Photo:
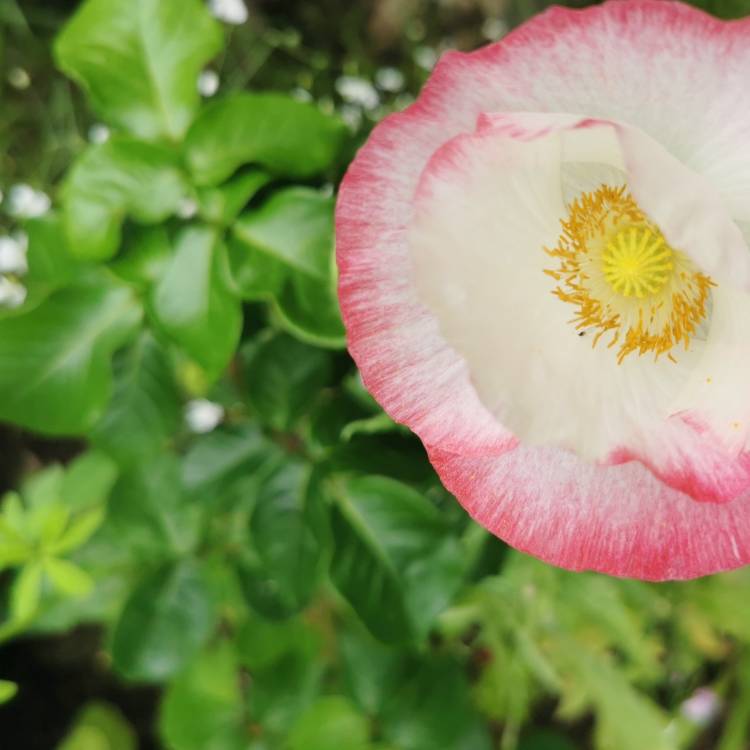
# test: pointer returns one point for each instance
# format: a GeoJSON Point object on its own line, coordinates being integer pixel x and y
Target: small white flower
{"type": "Point", "coordinates": [12, 294]}
{"type": "Point", "coordinates": [20, 197]}
{"type": "Point", "coordinates": [19, 78]}
{"type": "Point", "coordinates": [425, 57]}
{"type": "Point", "coordinates": [208, 82]}
{"type": "Point", "coordinates": [359, 91]}
{"type": "Point", "coordinates": [12, 256]}
{"type": "Point", "coordinates": [389, 79]}
{"type": "Point", "coordinates": [701, 707]}
{"type": "Point", "coordinates": [229, 11]}
{"type": "Point", "coordinates": [27, 203]}
{"type": "Point", "coordinates": [202, 415]}
{"type": "Point", "coordinates": [351, 115]}
{"type": "Point", "coordinates": [21, 238]}
{"type": "Point", "coordinates": [300, 94]}
{"type": "Point", "coordinates": [187, 208]}
{"type": "Point", "coordinates": [98, 133]}
{"type": "Point", "coordinates": [494, 28]}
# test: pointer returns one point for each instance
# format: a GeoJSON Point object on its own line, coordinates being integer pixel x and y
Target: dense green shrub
{"type": "Point", "coordinates": [282, 561]}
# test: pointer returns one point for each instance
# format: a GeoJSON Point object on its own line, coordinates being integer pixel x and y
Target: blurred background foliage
{"type": "Point", "coordinates": [211, 537]}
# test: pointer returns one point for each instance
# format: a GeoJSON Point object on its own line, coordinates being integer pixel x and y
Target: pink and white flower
{"type": "Point", "coordinates": [544, 272]}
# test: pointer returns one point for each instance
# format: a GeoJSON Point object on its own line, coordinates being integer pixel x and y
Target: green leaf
{"type": "Point", "coordinates": [364, 574]}
{"type": "Point", "coordinates": [283, 377]}
{"type": "Point", "coordinates": [309, 310]}
{"type": "Point", "coordinates": [626, 718]}
{"type": "Point", "coordinates": [100, 727]}
{"type": "Point", "coordinates": [88, 480]}
{"type": "Point", "coordinates": [221, 205]}
{"type": "Point", "coordinates": [432, 708]}
{"type": "Point", "coordinates": [48, 523]}
{"type": "Point", "coordinates": [139, 61]}
{"type": "Point", "coordinates": [60, 612]}
{"type": "Point", "coordinates": [256, 275]}
{"type": "Point", "coordinates": [26, 592]}
{"type": "Point", "coordinates": [42, 489]}
{"type": "Point", "coordinates": [288, 528]}
{"type": "Point", "coordinates": [79, 531]}
{"type": "Point", "coordinates": [8, 691]}
{"type": "Point", "coordinates": [284, 250]}
{"type": "Point", "coordinates": [55, 361]}
{"type": "Point", "coordinates": [546, 740]}
{"type": "Point", "coordinates": [119, 178]}
{"type": "Point", "coordinates": [724, 9]}
{"type": "Point", "coordinates": [51, 264]}
{"type": "Point", "coordinates": [398, 456]}
{"type": "Point", "coordinates": [394, 559]}
{"type": "Point", "coordinates": [13, 513]}
{"type": "Point", "coordinates": [374, 425]}
{"type": "Point", "coordinates": [371, 670]}
{"type": "Point", "coordinates": [287, 137]}
{"type": "Point", "coordinates": [193, 303]}
{"type": "Point", "coordinates": [331, 722]}
{"type": "Point", "coordinates": [164, 624]}
{"type": "Point", "coordinates": [432, 578]}
{"type": "Point", "coordinates": [68, 578]}
{"type": "Point", "coordinates": [150, 517]}
{"type": "Point", "coordinates": [295, 227]}
{"type": "Point", "coordinates": [15, 548]}
{"type": "Point", "coordinates": [146, 252]}
{"type": "Point", "coordinates": [202, 708]}
{"type": "Point", "coordinates": [145, 409]}
{"type": "Point", "coordinates": [355, 388]}
{"type": "Point", "coordinates": [736, 726]}
{"type": "Point", "coordinates": [217, 460]}
{"type": "Point", "coordinates": [283, 690]}
{"type": "Point", "coordinates": [261, 642]}
{"type": "Point", "coordinates": [331, 412]}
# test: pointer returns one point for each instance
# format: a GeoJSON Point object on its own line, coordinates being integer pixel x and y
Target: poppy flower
{"type": "Point", "coordinates": [544, 272]}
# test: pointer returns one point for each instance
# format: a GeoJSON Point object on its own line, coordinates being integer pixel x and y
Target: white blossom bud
{"type": "Point", "coordinates": [359, 91]}
{"type": "Point", "coordinates": [208, 82]}
{"type": "Point", "coordinates": [19, 78]}
{"type": "Point", "coordinates": [389, 79]}
{"type": "Point", "coordinates": [187, 208]}
{"type": "Point", "coordinates": [229, 11]}
{"type": "Point", "coordinates": [26, 203]}
{"type": "Point", "coordinates": [98, 133]}
{"type": "Point", "coordinates": [13, 256]}
{"type": "Point", "coordinates": [12, 294]}
{"type": "Point", "coordinates": [202, 415]}
{"type": "Point", "coordinates": [701, 707]}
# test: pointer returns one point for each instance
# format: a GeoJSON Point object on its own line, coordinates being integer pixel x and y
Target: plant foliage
{"type": "Point", "coordinates": [294, 576]}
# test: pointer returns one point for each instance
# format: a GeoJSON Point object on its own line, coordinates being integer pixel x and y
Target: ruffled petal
{"type": "Point", "coordinates": [404, 361]}
{"type": "Point", "coordinates": [487, 205]}
{"type": "Point", "coordinates": [672, 71]}
{"type": "Point", "coordinates": [616, 520]}
{"type": "Point", "coordinates": [687, 207]}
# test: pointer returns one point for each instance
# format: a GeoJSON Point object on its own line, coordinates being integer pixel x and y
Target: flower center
{"type": "Point", "coordinates": [637, 262]}
{"type": "Point", "coordinates": [623, 278]}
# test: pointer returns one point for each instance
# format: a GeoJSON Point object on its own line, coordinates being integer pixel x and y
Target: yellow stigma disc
{"type": "Point", "coordinates": [608, 244]}
{"type": "Point", "coordinates": [637, 262]}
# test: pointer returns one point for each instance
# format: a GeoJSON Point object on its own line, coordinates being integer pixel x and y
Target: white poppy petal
{"type": "Point", "coordinates": [674, 74]}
